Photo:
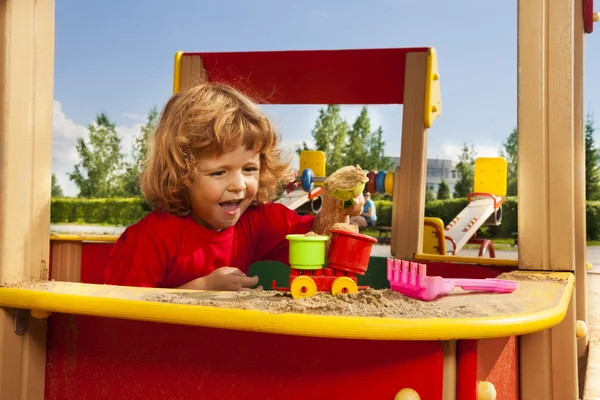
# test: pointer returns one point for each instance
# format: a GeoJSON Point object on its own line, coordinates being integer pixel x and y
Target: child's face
{"type": "Point", "coordinates": [224, 187]}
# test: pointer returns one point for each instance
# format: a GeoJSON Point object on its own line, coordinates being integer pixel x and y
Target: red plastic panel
{"type": "Point", "coordinates": [94, 257]}
{"type": "Point", "coordinates": [364, 76]}
{"type": "Point", "coordinates": [459, 270]}
{"type": "Point", "coordinates": [588, 16]}
{"type": "Point", "coordinates": [492, 360]}
{"type": "Point", "coordinates": [498, 363]}
{"type": "Point", "coordinates": [466, 377]}
{"type": "Point", "coordinates": [98, 358]}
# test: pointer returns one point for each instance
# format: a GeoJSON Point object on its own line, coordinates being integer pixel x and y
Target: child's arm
{"type": "Point", "coordinates": [332, 213]}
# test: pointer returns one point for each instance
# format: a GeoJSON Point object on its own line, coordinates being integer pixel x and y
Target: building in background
{"type": "Point", "coordinates": [437, 169]}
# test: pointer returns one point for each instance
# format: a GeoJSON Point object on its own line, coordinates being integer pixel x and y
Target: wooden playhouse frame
{"type": "Point", "coordinates": [551, 198]}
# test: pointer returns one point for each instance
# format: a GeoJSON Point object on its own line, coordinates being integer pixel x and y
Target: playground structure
{"type": "Point", "coordinates": [72, 340]}
{"type": "Point", "coordinates": [313, 161]}
{"type": "Point", "coordinates": [484, 203]}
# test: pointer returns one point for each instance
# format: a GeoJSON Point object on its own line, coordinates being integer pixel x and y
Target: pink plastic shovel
{"type": "Point", "coordinates": [410, 279]}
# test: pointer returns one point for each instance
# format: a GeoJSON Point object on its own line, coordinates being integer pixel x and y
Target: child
{"type": "Point", "coordinates": [212, 171]}
{"type": "Point", "coordinates": [369, 215]}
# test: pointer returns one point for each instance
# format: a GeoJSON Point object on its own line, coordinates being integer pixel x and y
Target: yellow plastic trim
{"type": "Point", "coordinates": [502, 262]}
{"type": "Point", "coordinates": [123, 302]}
{"type": "Point", "coordinates": [491, 175]}
{"type": "Point", "coordinates": [177, 72]}
{"type": "Point", "coordinates": [433, 94]}
{"type": "Point", "coordinates": [430, 240]}
{"type": "Point", "coordinates": [83, 238]}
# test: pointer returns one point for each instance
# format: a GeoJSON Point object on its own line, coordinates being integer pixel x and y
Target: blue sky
{"type": "Point", "coordinates": [117, 57]}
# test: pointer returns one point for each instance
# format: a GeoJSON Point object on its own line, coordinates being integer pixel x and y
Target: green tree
{"type": "Point", "coordinates": [300, 149]}
{"type": "Point", "coordinates": [592, 160]}
{"type": "Point", "coordinates": [429, 195]}
{"type": "Point", "coordinates": [357, 147]}
{"type": "Point", "coordinates": [376, 158]}
{"type": "Point", "coordinates": [510, 151]}
{"type": "Point", "coordinates": [465, 170]}
{"type": "Point", "coordinates": [131, 177]}
{"type": "Point", "coordinates": [443, 191]}
{"type": "Point", "coordinates": [56, 189]}
{"type": "Point", "coordinates": [97, 173]}
{"type": "Point", "coordinates": [330, 133]}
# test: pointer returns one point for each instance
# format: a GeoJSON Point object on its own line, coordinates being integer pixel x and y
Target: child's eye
{"type": "Point", "coordinates": [217, 173]}
{"type": "Point", "coordinates": [251, 169]}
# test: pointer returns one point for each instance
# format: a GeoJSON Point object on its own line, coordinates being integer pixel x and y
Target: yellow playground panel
{"type": "Point", "coordinates": [491, 175]}
{"type": "Point", "coordinates": [315, 161]}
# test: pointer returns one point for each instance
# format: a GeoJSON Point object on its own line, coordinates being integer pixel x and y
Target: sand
{"type": "Point", "coordinates": [345, 178]}
{"type": "Point", "coordinates": [377, 303]}
{"type": "Point", "coordinates": [345, 227]}
{"type": "Point", "coordinates": [523, 276]}
{"type": "Point", "coordinates": [311, 233]}
{"type": "Point", "coordinates": [531, 295]}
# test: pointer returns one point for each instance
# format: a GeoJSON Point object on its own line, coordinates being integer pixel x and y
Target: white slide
{"type": "Point", "coordinates": [462, 228]}
{"type": "Point", "coordinates": [294, 199]}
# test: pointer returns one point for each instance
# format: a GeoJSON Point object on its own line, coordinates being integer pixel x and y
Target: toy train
{"type": "Point", "coordinates": [311, 271]}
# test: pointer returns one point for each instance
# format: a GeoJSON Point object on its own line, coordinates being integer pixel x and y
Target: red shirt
{"type": "Point", "coordinates": [163, 250]}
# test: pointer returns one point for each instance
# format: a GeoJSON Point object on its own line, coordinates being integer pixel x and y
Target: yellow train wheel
{"type": "Point", "coordinates": [343, 285]}
{"type": "Point", "coordinates": [388, 183]}
{"type": "Point", "coordinates": [303, 286]}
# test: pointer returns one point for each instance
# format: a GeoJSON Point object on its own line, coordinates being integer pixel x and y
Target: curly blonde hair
{"type": "Point", "coordinates": [214, 118]}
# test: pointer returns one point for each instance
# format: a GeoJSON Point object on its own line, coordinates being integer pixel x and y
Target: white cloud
{"type": "Point", "coordinates": [65, 133]}
{"type": "Point", "coordinates": [453, 150]}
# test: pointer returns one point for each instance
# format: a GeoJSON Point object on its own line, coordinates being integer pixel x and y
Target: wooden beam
{"type": "Point", "coordinates": [409, 180]}
{"type": "Point", "coordinates": [548, 361]}
{"type": "Point", "coordinates": [26, 93]}
{"type": "Point", "coordinates": [192, 72]}
{"type": "Point", "coordinates": [546, 140]}
{"type": "Point", "coordinates": [579, 161]}
{"type": "Point", "coordinates": [547, 189]}
{"type": "Point", "coordinates": [66, 261]}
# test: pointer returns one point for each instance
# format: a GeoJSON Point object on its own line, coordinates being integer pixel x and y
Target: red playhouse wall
{"type": "Point", "coordinates": [90, 357]}
{"type": "Point", "coordinates": [493, 360]}
{"type": "Point", "coordinates": [347, 76]}
{"type": "Point", "coordinates": [102, 358]}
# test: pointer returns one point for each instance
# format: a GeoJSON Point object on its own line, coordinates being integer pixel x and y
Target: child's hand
{"type": "Point", "coordinates": [354, 209]}
{"type": "Point", "coordinates": [330, 204]}
{"type": "Point", "coordinates": [230, 279]}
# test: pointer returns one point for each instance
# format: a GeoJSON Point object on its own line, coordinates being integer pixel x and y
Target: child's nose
{"type": "Point", "coordinates": [237, 183]}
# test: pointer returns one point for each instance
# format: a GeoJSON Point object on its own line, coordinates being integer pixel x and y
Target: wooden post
{"type": "Point", "coordinates": [26, 92]}
{"type": "Point", "coordinates": [546, 183]}
{"type": "Point", "coordinates": [409, 186]}
{"type": "Point", "coordinates": [579, 161]}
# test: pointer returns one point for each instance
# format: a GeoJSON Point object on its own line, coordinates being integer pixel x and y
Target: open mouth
{"type": "Point", "coordinates": [230, 207]}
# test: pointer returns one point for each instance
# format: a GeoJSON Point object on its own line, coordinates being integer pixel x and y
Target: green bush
{"type": "Point", "coordinates": [118, 211]}
{"type": "Point", "coordinates": [124, 212]}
